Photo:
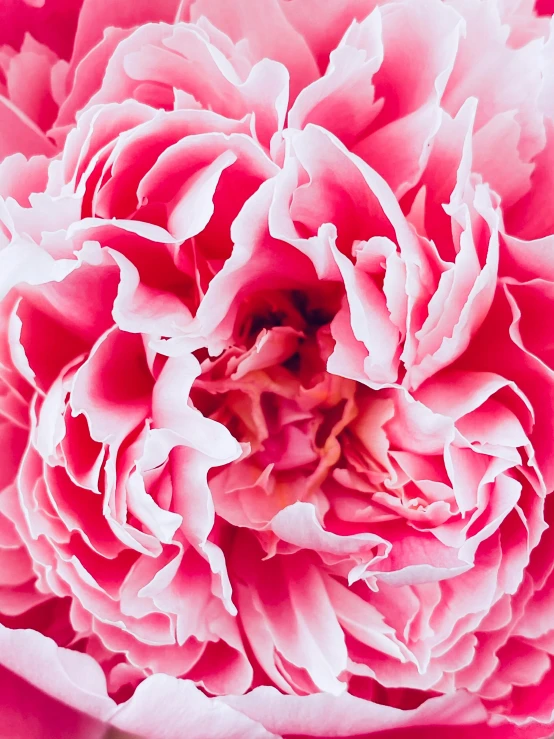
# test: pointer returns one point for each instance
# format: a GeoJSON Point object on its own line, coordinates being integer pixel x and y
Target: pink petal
{"type": "Point", "coordinates": [95, 16]}
{"type": "Point", "coordinates": [267, 32]}
{"type": "Point", "coordinates": [20, 134]}
{"type": "Point", "coordinates": [347, 715]}
{"type": "Point", "coordinates": [185, 708]}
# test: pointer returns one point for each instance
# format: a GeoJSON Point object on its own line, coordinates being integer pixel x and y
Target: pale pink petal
{"type": "Point", "coordinates": [298, 525]}
{"type": "Point", "coordinates": [97, 16]}
{"type": "Point", "coordinates": [347, 715]}
{"type": "Point", "coordinates": [185, 709]}
{"type": "Point", "coordinates": [74, 679]}
{"type": "Point", "coordinates": [267, 33]}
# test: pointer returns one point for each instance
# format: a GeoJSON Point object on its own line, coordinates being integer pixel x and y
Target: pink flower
{"type": "Point", "coordinates": [276, 378]}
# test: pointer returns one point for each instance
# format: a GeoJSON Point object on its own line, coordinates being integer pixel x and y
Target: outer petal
{"type": "Point", "coordinates": [52, 22]}
{"type": "Point", "coordinates": [186, 712]}
{"type": "Point", "coordinates": [70, 677]}
{"type": "Point", "coordinates": [267, 32]}
{"type": "Point", "coordinates": [98, 15]}
{"type": "Point", "coordinates": [324, 715]}
{"type": "Point", "coordinates": [20, 134]}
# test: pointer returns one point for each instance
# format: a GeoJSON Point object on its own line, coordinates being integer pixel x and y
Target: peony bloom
{"type": "Point", "coordinates": [276, 368]}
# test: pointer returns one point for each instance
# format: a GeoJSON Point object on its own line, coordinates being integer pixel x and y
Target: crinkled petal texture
{"type": "Point", "coordinates": [276, 369]}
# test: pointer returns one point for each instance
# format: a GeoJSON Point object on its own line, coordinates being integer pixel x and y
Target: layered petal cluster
{"type": "Point", "coordinates": [276, 373]}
